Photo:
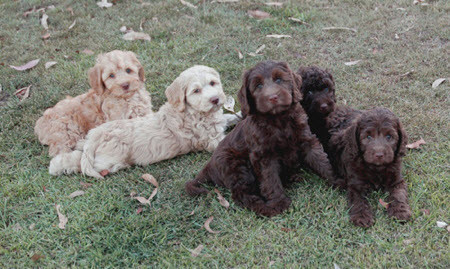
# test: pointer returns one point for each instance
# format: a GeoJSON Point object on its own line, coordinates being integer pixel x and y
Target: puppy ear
{"type": "Point", "coordinates": [296, 92]}
{"type": "Point", "coordinates": [176, 94]}
{"type": "Point", "coordinates": [141, 73]}
{"type": "Point", "coordinates": [402, 140]}
{"type": "Point", "coordinates": [351, 139]}
{"type": "Point", "coordinates": [95, 79]}
{"type": "Point", "coordinates": [244, 96]}
{"type": "Point", "coordinates": [135, 60]}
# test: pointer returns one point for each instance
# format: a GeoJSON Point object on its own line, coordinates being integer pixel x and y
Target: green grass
{"type": "Point", "coordinates": [104, 229]}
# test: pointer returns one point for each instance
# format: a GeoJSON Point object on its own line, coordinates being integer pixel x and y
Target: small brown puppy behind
{"type": "Point", "coordinates": [261, 152]}
{"type": "Point", "coordinates": [366, 149]}
{"type": "Point", "coordinates": [118, 92]}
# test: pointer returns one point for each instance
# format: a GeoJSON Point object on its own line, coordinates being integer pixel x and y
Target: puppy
{"type": "Point", "coordinates": [117, 92]}
{"type": "Point", "coordinates": [318, 90]}
{"type": "Point", "coordinates": [191, 120]}
{"type": "Point", "coordinates": [262, 151]}
{"type": "Point", "coordinates": [366, 149]}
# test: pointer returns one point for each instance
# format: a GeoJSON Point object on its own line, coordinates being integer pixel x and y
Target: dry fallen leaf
{"type": "Point", "coordinates": [49, 64]}
{"type": "Point", "coordinates": [44, 21]}
{"type": "Point", "coordinates": [142, 200]}
{"type": "Point", "coordinates": [274, 4]}
{"type": "Point", "coordinates": [298, 20]}
{"type": "Point", "coordinates": [352, 63]}
{"type": "Point", "coordinates": [153, 194]}
{"type": "Point", "coordinates": [221, 199]}
{"type": "Point", "coordinates": [279, 36]}
{"type": "Point", "coordinates": [62, 219]}
{"type": "Point", "coordinates": [23, 93]}
{"type": "Point", "coordinates": [70, 10]}
{"type": "Point", "coordinates": [85, 185]}
{"type": "Point", "coordinates": [383, 203]}
{"type": "Point", "coordinates": [88, 52]}
{"type": "Point", "coordinates": [258, 14]}
{"type": "Point", "coordinates": [76, 193]}
{"type": "Point", "coordinates": [150, 179]}
{"type": "Point", "coordinates": [139, 210]}
{"type": "Point", "coordinates": [260, 49]}
{"type": "Point", "coordinates": [26, 66]}
{"type": "Point", "coordinates": [229, 103]}
{"type": "Point", "coordinates": [416, 144]}
{"type": "Point", "coordinates": [195, 252]}
{"type": "Point", "coordinates": [135, 36]}
{"type": "Point", "coordinates": [73, 24]}
{"type": "Point", "coordinates": [239, 54]}
{"type": "Point", "coordinates": [437, 82]}
{"type": "Point", "coordinates": [141, 24]}
{"type": "Point", "coordinates": [104, 3]}
{"type": "Point", "coordinates": [441, 224]}
{"type": "Point", "coordinates": [187, 4]}
{"type": "Point", "coordinates": [206, 225]}
{"type": "Point", "coordinates": [36, 257]}
{"type": "Point", "coordinates": [46, 36]}
{"type": "Point", "coordinates": [192, 213]}
{"type": "Point", "coordinates": [339, 28]}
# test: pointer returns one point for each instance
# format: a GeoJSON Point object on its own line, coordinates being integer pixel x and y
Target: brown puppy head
{"type": "Point", "coordinates": [269, 88]}
{"type": "Point", "coordinates": [379, 136]}
{"type": "Point", "coordinates": [118, 73]}
{"type": "Point", "coordinates": [318, 91]}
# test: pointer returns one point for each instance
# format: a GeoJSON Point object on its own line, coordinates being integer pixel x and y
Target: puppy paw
{"type": "Point", "coordinates": [400, 211]}
{"type": "Point", "coordinates": [363, 219]}
{"type": "Point", "coordinates": [275, 207]}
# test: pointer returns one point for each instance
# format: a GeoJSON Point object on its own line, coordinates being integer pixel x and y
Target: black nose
{"type": "Point", "coordinates": [125, 86]}
{"type": "Point", "coordinates": [273, 98]}
{"type": "Point", "coordinates": [323, 107]}
{"type": "Point", "coordinates": [214, 100]}
{"type": "Point", "coordinates": [379, 155]}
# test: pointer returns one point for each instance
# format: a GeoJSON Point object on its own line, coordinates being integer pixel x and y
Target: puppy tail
{"type": "Point", "coordinates": [65, 163]}
{"type": "Point", "coordinates": [193, 187]}
{"type": "Point", "coordinates": [87, 160]}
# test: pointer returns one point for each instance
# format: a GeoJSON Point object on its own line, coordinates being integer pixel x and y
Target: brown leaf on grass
{"type": "Point", "coordinates": [85, 185]}
{"type": "Point", "coordinates": [186, 3]}
{"type": "Point", "coordinates": [258, 14]}
{"type": "Point", "coordinates": [44, 21]}
{"type": "Point", "coordinates": [383, 203]}
{"type": "Point", "coordinates": [36, 257]}
{"type": "Point", "coordinates": [46, 36]}
{"type": "Point", "coordinates": [195, 252]}
{"type": "Point", "coordinates": [130, 36]}
{"type": "Point", "coordinates": [437, 82]}
{"type": "Point", "coordinates": [425, 211]}
{"type": "Point", "coordinates": [62, 219]}
{"type": "Point", "coordinates": [339, 29]}
{"type": "Point", "coordinates": [23, 93]}
{"type": "Point", "coordinates": [70, 10]}
{"type": "Point", "coordinates": [206, 225]}
{"type": "Point", "coordinates": [139, 210]}
{"type": "Point", "coordinates": [352, 63]}
{"type": "Point", "coordinates": [274, 4]}
{"type": "Point", "coordinates": [142, 200]}
{"type": "Point", "coordinates": [76, 193]}
{"type": "Point", "coordinates": [441, 224]}
{"type": "Point", "coordinates": [221, 199]}
{"type": "Point", "coordinates": [73, 24]}
{"type": "Point", "coordinates": [298, 21]}
{"type": "Point", "coordinates": [279, 36]}
{"type": "Point", "coordinates": [141, 24]}
{"type": "Point", "coordinates": [153, 194]}
{"type": "Point", "coordinates": [260, 49]}
{"type": "Point", "coordinates": [192, 213]}
{"type": "Point", "coordinates": [26, 66]}
{"type": "Point", "coordinates": [150, 179]}
{"type": "Point", "coordinates": [416, 144]}
{"type": "Point", "coordinates": [104, 4]}
{"type": "Point", "coordinates": [240, 56]}
{"type": "Point", "coordinates": [88, 52]}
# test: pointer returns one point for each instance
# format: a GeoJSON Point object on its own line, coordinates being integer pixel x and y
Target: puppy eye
{"type": "Point", "coordinates": [196, 90]}
{"type": "Point", "coordinates": [212, 83]}
{"type": "Point", "coordinates": [111, 76]}
{"type": "Point", "coordinates": [369, 137]}
{"type": "Point", "coordinates": [278, 80]}
{"type": "Point", "coordinates": [326, 90]}
{"type": "Point", "coordinates": [388, 137]}
{"type": "Point", "coordinates": [128, 70]}
{"type": "Point", "coordinates": [310, 92]}
{"type": "Point", "coordinates": [259, 86]}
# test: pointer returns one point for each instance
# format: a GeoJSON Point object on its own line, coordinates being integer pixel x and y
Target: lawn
{"type": "Point", "coordinates": [403, 48]}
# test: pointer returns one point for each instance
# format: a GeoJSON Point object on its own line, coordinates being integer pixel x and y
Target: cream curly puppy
{"type": "Point", "coordinates": [191, 120]}
{"type": "Point", "coordinates": [117, 92]}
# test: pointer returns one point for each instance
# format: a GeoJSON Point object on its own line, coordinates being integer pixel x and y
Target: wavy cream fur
{"type": "Point", "coordinates": [189, 121]}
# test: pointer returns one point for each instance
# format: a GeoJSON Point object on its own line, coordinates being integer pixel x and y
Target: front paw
{"type": "Point", "coordinates": [362, 219]}
{"type": "Point", "coordinates": [400, 211]}
{"type": "Point", "coordinates": [275, 207]}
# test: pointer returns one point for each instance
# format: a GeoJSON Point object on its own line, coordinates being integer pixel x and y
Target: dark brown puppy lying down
{"type": "Point", "coordinates": [262, 151]}
{"type": "Point", "coordinates": [364, 147]}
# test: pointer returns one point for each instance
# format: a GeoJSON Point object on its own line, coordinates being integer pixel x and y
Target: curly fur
{"type": "Point", "coordinates": [110, 98]}
{"type": "Point", "coordinates": [262, 151]}
{"type": "Point", "coordinates": [191, 120]}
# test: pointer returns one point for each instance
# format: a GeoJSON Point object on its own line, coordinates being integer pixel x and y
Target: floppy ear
{"type": "Point", "coordinates": [176, 94]}
{"type": "Point", "coordinates": [141, 73]}
{"type": "Point", "coordinates": [95, 79]}
{"type": "Point", "coordinates": [402, 140]}
{"type": "Point", "coordinates": [351, 140]}
{"type": "Point", "coordinates": [244, 96]}
{"type": "Point", "coordinates": [135, 60]}
{"type": "Point", "coordinates": [296, 92]}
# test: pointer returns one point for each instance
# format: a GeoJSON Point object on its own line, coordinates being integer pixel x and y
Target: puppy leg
{"type": "Point", "coordinates": [398, 202]}
{"type": "Point", "coordinates": [232, 119]}
{"type": "Point", "coordinates": [65, 163]}
{"type": "Point", "coordinates": [193, 187]}
{"type": "Point", "coordinates": [314, 156]}
{"type": "Point", "coordinates": [360, 211]}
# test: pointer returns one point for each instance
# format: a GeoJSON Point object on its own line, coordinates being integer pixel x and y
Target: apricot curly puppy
{"type": "Point", "coordinates": [117, 92]}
